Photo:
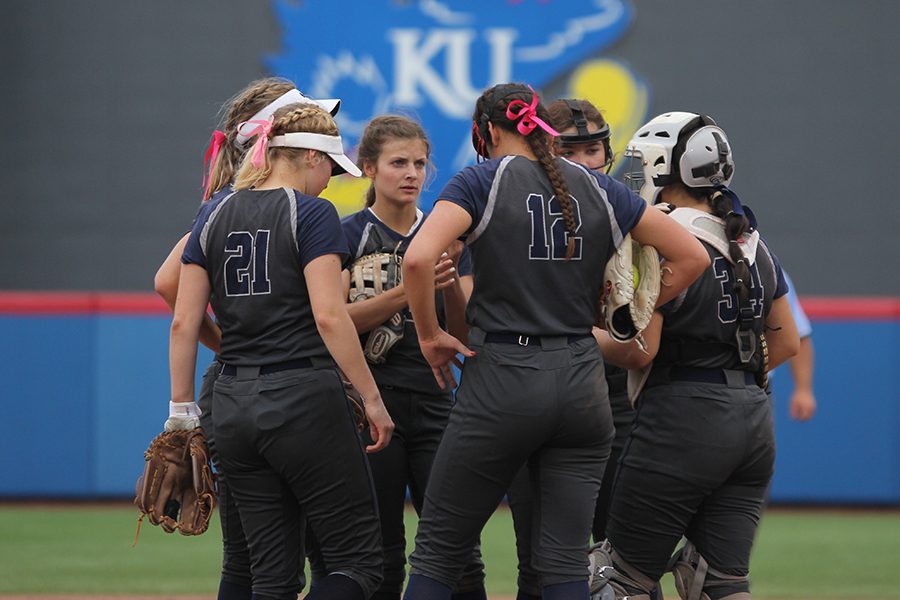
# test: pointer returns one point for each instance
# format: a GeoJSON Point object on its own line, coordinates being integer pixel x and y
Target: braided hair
{"type": "Point", "coordinates": [491, 107]}
{"type": "Point", "coordinates": [292, 118]}
{"type": "Point", "coordinates": [243, 106]}
{"type": "Point", "coordinates": [735, 227]}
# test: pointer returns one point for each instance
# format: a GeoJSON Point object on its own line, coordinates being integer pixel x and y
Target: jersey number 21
{"type": "Point", "coordinates": [247, 265]}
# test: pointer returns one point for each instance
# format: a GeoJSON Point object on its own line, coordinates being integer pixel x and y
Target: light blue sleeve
{"type": "Point", "coordinates": [804, 328]}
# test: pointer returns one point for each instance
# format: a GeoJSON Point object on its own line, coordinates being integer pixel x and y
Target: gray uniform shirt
{"type": "Point", "coordinates": [255, 245]}
{"type": "Point", "coordinates": [523, 282]}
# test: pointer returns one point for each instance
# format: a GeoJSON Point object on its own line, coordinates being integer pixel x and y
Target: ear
{"type": "Point", "coordinates": [313, 157]}
{"type": "Point", "coordinates": [494, 133]}
{"type": "Point", "coordinates": [369, 169]}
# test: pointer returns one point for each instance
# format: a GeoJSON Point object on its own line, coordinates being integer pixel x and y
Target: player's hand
{"type": "Point", "coordinates": [803, 405]}
{"type": "Point", "coordinates": [381, 426]}
{"type": "Point", "coordinates": [444, 272]}
{"type": "Point", "coordinates": [441, 352]}
{"type": "Point", "coordinates": [182, 415]}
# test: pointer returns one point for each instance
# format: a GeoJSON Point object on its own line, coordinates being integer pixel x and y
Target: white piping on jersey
{"type": "Point", "coordinates": [492, 200]}
{"type": "Point", "coordinates": [419, 215]}
{"type": "Point", "coordinates": [617, 235]}
{"type": "Point", "coordinates": [711, 229]}
{"type": "Point", "coordinates": [363, 239]}
{"type": "Point", "coordinates": [204, 233]}
{"type": "Point", "coordinates": [292, 207]}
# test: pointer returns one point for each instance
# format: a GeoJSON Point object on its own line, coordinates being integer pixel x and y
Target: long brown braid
{"type": "Point", "coordinates": [538, 140]}
{"type": "Point", "coordinates": [292, 118]}
{"type": "Point", "coordinates": [242, 107]}
{"type": "Point", "coordinates": [735, 227]}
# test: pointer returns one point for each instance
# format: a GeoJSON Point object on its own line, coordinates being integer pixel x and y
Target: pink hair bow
{"type": "Point", "coordinates": [527, 116]}
{"type": "Point", "coordinates": [215, 144]}
{"type": "Point", "coordinates": [262, 130]}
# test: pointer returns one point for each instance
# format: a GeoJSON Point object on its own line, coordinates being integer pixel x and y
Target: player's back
{"type": "Point", "coordinates": [259, 293]}
{"type": "Point", "coordinates": [523, 282]}
{"type": "Point", "coordinates": [701, 324]}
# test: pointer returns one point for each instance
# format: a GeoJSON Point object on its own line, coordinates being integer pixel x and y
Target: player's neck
{"type": "Point", "coordinates": [678, 196]}
{"type": "Point", "coordinates": [399, 217]}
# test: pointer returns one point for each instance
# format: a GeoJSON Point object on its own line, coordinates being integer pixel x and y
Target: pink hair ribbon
{"type": "Point", "coordinates": [262, 130]}
{"type": "Point", "coordinates": [527, 116]}
{"type": "Point", "coordinates": [215, 144]}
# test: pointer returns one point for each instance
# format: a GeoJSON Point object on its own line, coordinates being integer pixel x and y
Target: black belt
{"type": "Point", "coordinates": [525, 340]}
{"type": "Point", "coordinates": [698, 375]}
{"type": "Point", "coordinates": [300, 363]}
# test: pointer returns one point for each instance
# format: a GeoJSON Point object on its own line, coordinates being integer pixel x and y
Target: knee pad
{"type": "Point", "coordinates": [696, 580]}
{"type": "Point", "coordinates": [611, 578]}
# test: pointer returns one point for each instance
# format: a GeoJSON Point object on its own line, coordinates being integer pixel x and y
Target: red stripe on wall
{"type": "Point", "coordinates": [829, 308]}
{"type": "Point", "coordinates": [81, 303]}
{"type": "Point", "coordinates": [854, 308]}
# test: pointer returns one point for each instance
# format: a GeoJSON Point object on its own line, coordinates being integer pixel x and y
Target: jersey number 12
{"type": "Point", "coordinates": [543, 212]}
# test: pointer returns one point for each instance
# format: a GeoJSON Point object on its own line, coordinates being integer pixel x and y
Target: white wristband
{"type": "Point", "coordinates": [184, 409]}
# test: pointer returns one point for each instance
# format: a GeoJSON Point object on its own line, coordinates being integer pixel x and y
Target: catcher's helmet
{"type": "Point", "coordinates": [678, 146]}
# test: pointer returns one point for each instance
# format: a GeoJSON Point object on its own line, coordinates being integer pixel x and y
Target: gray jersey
{"type": "Point", "coordinates": [523, 282]}
{"type": "Point", "coordinates": [701, 324]}
{"type": "Point", "coordinates": [255, 245]}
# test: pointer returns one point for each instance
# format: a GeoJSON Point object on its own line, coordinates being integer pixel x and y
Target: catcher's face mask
{"type": "Point", "coordinates": [641, 164]}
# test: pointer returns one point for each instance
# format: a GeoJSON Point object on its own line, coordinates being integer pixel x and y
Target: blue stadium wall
{"type": "Point", "coordinates": [86, 388]}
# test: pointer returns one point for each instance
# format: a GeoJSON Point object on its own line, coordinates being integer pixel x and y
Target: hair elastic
{"type": "Point", "coordinates": [212, 152]}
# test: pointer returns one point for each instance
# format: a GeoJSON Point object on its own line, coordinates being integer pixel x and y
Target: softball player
{"type": "Point", "coordinates": [584, 138]}
{"type": "Point", "coordinates": [700, 455]}
{"type": "Point", "coordinates": [394, 153]}
{"type": "Point", "coordinates": [268, 259]}
{"type": "Point", "coordinates": [540, 231]}
{"type": "Point", "coordinates": [803, 399]}
{"type": "Point", "coordinates": [257, 101]}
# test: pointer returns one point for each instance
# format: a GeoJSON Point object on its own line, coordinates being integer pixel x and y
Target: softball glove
{"type": "Point", "coordinates": [177, 489]}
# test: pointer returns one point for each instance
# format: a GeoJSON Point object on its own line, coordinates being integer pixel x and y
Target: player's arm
{"type": "Point", "coordinates": [685, 258]}
{"type": "Point", "coordinates": [166, 285]}
{"type": "Point", "coordinates": [190, 309]}
{"type": "Point", "coordinates": [456, 295]}
{"type": "Point", "coordinates": [370, 313]}
{"type": "Point", "coordinates": [781, 332]}
{"type": "Point", "coordinates": [630, 355]}
{"type": "Point", "coordinates": [803, 400]}
{"type": "Point", "coordinates": [327, 296]}
{"type": "Point", "coordinates": [445, 224]}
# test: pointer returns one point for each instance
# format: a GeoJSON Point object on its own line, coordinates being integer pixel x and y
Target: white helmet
{"type": "Point", "coordinates": [678, 146]}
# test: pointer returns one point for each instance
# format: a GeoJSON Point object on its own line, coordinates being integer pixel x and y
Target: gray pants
{"type": "Point", "coordinates": [294, 429]}
{"type": "Point", "coordinates": [697, 463]}
{"type": "Point", "coordinates": [544, 405]}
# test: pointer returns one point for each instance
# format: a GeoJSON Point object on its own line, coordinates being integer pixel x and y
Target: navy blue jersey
{"type": "Point", "coordinates": [405, 366]}
{"type": "Point", "coordinates": [701, 324]}
{"type": "Point", "coordinates": [255, 245]}
{"type": "Point", "coordinates": [518, 239]}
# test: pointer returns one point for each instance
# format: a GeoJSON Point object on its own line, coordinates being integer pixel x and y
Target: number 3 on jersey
{"type": "Point", "coordinates": [543, 212]}
{"type": "Point", "coordinates": [728, 305]}
{"type": "Point", "coordinates": [247, 265]}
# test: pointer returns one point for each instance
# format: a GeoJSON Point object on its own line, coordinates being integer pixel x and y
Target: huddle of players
{"type": "Point", "coordinates": [531, 418]}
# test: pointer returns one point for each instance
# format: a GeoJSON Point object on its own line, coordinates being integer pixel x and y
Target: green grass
{"type": "Point", "coordinates": [87, 550]}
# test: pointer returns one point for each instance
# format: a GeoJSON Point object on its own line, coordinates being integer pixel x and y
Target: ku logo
{"type": "Point", "coordinates": [431, 59]}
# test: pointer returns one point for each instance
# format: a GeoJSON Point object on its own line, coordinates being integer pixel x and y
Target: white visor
{"type": "Point", "coordinates": [329, 144]}
{"type": "Point", "coordinates": [294, 96]}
